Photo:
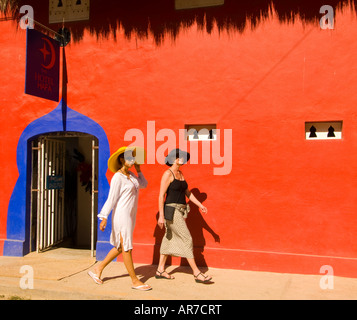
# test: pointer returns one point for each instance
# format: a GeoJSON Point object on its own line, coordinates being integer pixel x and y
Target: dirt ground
{"type": "Point", "coordinates": [62, 275]}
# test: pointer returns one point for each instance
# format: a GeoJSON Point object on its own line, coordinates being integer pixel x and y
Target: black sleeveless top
{"type": "Point", "coordinates": [176, 191]}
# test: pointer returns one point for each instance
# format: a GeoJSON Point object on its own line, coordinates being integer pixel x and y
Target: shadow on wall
{"type": "Point", "coordinates": [159, 18]}
{"type": "Point", "coordinates": [196, 224]}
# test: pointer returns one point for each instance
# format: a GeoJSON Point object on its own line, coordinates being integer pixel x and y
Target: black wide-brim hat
{"type": "Point", "coordinates": [176, 153]}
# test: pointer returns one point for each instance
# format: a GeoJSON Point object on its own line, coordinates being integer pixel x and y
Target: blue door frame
{"type": "Point", "coordinates": [18, 217]}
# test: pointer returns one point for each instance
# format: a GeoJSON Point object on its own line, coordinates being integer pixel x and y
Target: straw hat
{"type": "Point", "coordinates": [138, 152]}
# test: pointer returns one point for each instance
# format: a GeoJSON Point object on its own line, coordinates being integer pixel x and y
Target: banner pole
{"type": "Point", "coordinates": [47, 28]}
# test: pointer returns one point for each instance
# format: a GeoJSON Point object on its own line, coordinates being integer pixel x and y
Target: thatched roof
{"type": "Point", "coordinates": [159, 17]}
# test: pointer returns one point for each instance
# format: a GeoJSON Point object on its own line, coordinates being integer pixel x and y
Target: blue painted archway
{"type": "Point", "coordinates": [60, 119]}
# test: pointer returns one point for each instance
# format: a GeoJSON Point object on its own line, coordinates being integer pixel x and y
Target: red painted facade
{"type": "Point", "coordinates": [288, 204]}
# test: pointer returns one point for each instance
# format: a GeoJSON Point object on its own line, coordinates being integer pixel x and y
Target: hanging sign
{"type": "Point", "coordinates": [68, 10]}
{"type": "Point", "coordinates": [42, 65]}
{"type": "Point", "coordinates": [55, 182]}
{"type": "Point", "coordinates": [191, 4]}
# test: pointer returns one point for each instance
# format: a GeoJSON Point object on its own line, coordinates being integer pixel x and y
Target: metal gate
{"type": "Point", "coordinates": [48, 225]}
{"type": "Point", "coordinates": [50, 192]}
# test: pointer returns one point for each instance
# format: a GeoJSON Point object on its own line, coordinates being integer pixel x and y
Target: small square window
{"type": "Point", "coordinates": [323, 130]}
{"type": "Point", "coordinates": [200, 132]}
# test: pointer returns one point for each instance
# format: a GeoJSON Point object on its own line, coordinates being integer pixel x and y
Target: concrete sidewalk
{"type": "Point", "coordinates": [62, 274]}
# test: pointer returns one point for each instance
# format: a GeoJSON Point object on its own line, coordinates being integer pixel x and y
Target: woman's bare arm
{"type": "Point", "coordinates": [165, 182]}
{"type": "Point", "coordinates": [194, 200]}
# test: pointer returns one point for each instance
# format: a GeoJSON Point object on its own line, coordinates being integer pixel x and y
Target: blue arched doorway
{"type": "Point", "coordinates": [60, 121]}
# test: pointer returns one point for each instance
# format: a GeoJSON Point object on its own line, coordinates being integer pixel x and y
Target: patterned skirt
{"type": "Point", "coordinates": [177, 241]}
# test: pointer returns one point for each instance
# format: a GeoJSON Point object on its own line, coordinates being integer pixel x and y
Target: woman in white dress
{"type": "Point", "coordinates": [123, 203]}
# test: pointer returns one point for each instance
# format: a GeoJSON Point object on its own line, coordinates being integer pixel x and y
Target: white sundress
{"type": "Point", "coordinates": [123, 201]}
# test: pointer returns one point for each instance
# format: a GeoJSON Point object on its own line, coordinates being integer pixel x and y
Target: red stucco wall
{"type": "Point", "coordinates": [288, 204]}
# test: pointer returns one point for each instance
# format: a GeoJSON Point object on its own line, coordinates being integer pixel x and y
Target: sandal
{"type": "Point", "coordinates": [160, 276]}
{"type": "Point", "coordinates": [95, 278]}
{"type": "Point", "coordinates": [205, 281]}
{"type": "Point", "coordinates": [144, 287]}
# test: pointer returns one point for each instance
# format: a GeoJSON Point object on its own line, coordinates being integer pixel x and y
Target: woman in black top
{"type": "Point", "coordinates": [177, 240]}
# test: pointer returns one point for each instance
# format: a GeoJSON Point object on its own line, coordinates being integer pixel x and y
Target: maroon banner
{"type": "Point", "coordinates": [42, 65]}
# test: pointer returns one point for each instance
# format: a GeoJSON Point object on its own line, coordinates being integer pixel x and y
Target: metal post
{"type": "Point", "coordinates": [94, 191]}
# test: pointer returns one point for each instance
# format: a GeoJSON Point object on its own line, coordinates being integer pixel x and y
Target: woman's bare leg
{"type": "Point", "coordinates": [162, 262]}
{"type": "Point", "coordinates": [161, 267]}
{"type": "Point", "coordinates": [197, 271]}
{"type": "Point", "coordinates": [128, 262]}
{"type": "Point", "coordinates": [129, 265]}
{"type": "Point", "coordinates": [112, 254]}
